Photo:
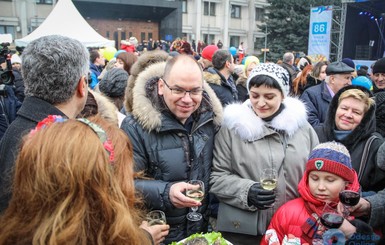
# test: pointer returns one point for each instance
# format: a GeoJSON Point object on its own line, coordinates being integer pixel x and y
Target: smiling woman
{"type": "Point", "coordinates": [351, 121]}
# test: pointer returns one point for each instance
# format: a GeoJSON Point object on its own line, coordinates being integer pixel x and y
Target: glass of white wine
{"type": "Point", "coordinates": [156, 217]}
{"type": "Point", "coordinates": [196, 191]}
{"type": "Point", "coordinates": [268, 179]}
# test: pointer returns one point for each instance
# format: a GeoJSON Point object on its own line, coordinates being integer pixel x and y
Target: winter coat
{"type": "Point", "coordinates": [95, 73]}
{"type": "Point", "coordinates": [380, 112]}
{"type": "Point", "coordinates": [300, 217]}
{"type": "Point", "coordinates": [246, 144]}
{"type": "Point", "coordinates": [30, 113]}
{"type": "Point", "coordinates": [373, 177]}
{"type": "Point", "coordinates": [218, 83]}
{"type": "Point", "coordinates": [167, 152]}
{"type": "Point", "coordinates": [317, 100]}
{"type": "Point", "coordinates": [9, 105]}
{"type": "Point", "coordinates": [243, 95]}
{"type": "Point", "coordinates": [377, 210]}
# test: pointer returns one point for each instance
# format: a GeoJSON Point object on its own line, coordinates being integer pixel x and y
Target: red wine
{"type": "Point", "coordinates": [349, 198]}
{"type": "Point", "coordinates": [332, 220]}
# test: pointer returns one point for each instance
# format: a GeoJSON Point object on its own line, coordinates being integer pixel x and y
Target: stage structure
{"type": "Point", "coordinates": [361, 30]}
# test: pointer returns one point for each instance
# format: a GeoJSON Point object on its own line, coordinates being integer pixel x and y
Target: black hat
{"type": "Point", "coordinates": [114, 82]}
{"type": "Point", "coordinates": [338, 67]}
{"type": "Point", "coordinates": [379, 66]}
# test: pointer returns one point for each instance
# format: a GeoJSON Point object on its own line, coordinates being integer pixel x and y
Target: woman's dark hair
{"type": "Point", "coordinates": [268, 81]}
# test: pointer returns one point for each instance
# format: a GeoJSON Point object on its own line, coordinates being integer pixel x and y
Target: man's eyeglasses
{"type": "Point", "coordinates": [180, 92]}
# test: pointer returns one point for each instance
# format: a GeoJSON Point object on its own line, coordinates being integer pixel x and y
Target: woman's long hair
{"type": "Point", "coordinates": [301, 81]}
{"type": "Point", "coordinates": [66, 191]}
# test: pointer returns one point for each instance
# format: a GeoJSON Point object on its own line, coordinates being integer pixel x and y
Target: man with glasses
{"type": "Point", "coordinates": [55, 84]}
{"type": "Point", "coordinates": [172, 125]}
{"type": "Point", "coordinates": [318, 98]}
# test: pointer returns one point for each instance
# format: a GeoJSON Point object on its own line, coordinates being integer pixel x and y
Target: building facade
{"type": "Point", "coordinates": [230, 21]}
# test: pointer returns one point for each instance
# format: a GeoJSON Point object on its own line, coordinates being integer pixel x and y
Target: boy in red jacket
{"type": "Point", "coordinates": [328, 172]}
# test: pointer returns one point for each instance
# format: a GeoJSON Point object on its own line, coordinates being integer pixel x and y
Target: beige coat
{"type": "Point", "coordinates": [246, 144]}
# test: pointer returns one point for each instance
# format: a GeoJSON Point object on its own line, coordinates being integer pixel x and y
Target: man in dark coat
{"type": "Point", "coordinates": [225, 88]}
{"type": "Point", "coordinates": [172, 125]}
{"type": "Point", "coordinates": [55, 84]}
{"type": "Point", "coordinates": [318, 97]}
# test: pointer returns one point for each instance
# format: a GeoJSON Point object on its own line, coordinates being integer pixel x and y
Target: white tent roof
{"type": "Point", "coordinates": [66, 20]}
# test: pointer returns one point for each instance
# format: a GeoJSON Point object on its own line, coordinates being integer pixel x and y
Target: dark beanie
{"type": "Point", "coordinates": [114, 83]}
{"type": "Point", "coordinates": [379, 66]}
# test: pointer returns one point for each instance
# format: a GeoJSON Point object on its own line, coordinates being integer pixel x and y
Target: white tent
{"type": "Point", "coordinates": [66, 20]}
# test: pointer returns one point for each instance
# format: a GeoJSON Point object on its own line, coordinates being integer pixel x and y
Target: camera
{"type": "Point", "coordinates": [6, 76]}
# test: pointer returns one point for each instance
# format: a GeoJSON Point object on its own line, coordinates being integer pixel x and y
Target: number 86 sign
{"type": "Point", "coordinates": [319, 28]}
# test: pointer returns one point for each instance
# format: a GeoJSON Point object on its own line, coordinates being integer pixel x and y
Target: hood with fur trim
{"type": "Point", "coordinates": [362, 131]}
{"type": "Point", "coordinates": [210, 76]}
{"type": "Point", "coordinates": [242, 119]}
{"type": "Point", "coordinates": [148, 106]}
{"type": "Point", "coordinates": [106, 108]}
{"type": "Point", "coordinates": [146, 59]}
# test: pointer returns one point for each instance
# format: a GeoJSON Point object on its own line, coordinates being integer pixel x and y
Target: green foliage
{"type": "Point", "coordinates": [288, 26]}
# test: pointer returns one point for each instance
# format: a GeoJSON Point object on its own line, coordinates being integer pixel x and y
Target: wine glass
{"type": "Point", "coordinates": [156, 217]}
{"type": "Point", "coordinates": [349, 199]}
{"type": "Point", "coordinates": [330, 217]}
{"type": "Point", "coordinates": [196, 191]}
{"type": "Point", "coordinates": [268, 179]}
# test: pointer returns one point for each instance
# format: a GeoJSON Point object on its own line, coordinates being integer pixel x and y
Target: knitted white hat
{"type": "Point", "coordinates": [278, 73]}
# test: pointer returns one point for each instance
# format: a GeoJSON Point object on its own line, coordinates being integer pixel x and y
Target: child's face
{"type": "Point", "coordinates": [325, 186]}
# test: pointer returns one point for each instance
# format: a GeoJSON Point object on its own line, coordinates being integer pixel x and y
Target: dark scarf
{"type": "Point", "coordinates": [270, 118]}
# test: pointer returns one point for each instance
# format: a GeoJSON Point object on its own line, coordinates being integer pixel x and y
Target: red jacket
{"type": "Point", "coordinates": [292, 217]}
{"type": "Point", "coordinates": [128, 47]}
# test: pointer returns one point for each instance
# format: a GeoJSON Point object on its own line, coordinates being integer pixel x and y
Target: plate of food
{"type": "Point", "coordinates": [211, 238]}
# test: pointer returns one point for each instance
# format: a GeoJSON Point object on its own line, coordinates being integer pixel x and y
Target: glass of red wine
{"type": "Point", "coordinates": [349, 199]}
{"type": "Point", "coordinates": [330, 217]}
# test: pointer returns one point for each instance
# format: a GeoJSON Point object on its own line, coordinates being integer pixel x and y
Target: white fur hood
{"type": "Point", "coordinates": [242, 119]}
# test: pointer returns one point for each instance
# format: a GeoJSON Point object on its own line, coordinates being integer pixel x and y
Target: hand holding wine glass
{"type": "Point", "coordinates": [156, 217]}
{"type": "Point", "coordinates": [269, 178]}
{"type": "Point", "coordinates": [330, 217]}
{"type": "Point", "coordinates": [349, 199]}
{"type": "Point", "coordinates": [196, 191]}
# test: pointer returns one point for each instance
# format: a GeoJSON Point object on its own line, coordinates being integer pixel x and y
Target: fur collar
{"type": "Point", "coordinates": [146, 59]}
{"type": "Point", "coordinates": [148, 106]}
{"type": "Point", "coordinates": [242, 119]}
{"type": "Point", "coordinates": [212, 77]}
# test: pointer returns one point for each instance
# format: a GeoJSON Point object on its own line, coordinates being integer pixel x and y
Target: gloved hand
{"type": "Point", "coordinates": [259, 197]}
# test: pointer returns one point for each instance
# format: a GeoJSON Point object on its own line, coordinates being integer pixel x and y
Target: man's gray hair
{"type": "Point", "coordinates": [220, 57]}
{"type": "Point", "coordinates": [52, 66]}
{"type": "Point", "coordinates": [287, 57]}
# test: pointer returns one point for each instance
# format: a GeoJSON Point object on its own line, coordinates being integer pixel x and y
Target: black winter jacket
{"type": "Point", "coordinates": [373, 177]}
{"type": "Point", "coordinates": [168, 153]}
{"type": "Point", "coordinates": [31, 112]}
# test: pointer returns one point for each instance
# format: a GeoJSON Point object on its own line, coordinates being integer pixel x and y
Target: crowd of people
{"type": "Point", "coordinates": [94, 145]}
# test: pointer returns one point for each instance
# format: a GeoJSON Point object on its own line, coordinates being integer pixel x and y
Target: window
{"type": "Point", "coordinates": [234, 41]}
{"type": "Point", "coordinates": [108, 34]}
{"type": "Point", "coordinates": [184, 6]}
{"type": "Point", "coordinates": [130, 34]}
{"type": "Point", "coordinates": [8, 30]}
{"type": "Point", "coordinates": [123, 35]}
{"type": "Point", "coordinates": [259, 14]}
{"type": "Point", "coordinates": [208, 38]}
{"type": "Point", "coordinates": [235, 11]}
{"type": "Point", "coordinates": [142, 36]}
{"type": "Point", "coordinates": [44, 1]}
{"type": "Point", "coordinates": [209, 8]}
{"type": "Point", "coordinates": [149, 35]}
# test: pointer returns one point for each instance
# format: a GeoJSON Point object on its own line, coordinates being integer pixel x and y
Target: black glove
{"type": "Point", "coordinates": [259, 197]}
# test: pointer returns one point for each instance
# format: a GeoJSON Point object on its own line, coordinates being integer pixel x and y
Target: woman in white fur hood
{"type": "Point", "coordinates": [269, 130]}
